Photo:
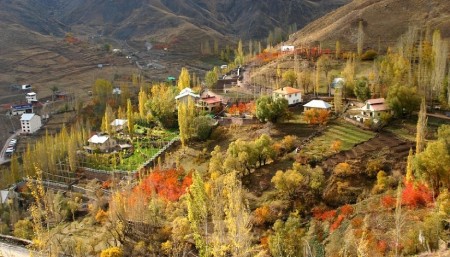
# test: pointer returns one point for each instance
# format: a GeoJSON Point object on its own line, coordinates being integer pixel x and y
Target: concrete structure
{"type": "Point", "coordinates": [338, 83]}
{"type": "Point", "coordinates": [287, 48]}
{"type": "Point", "coordinates": [317, 105]}
{"type": "Point", "coordinates": [30, 123]}
{"type": "Point", "coordinates": [31, 97]}
{"type": "Point", "coordinates": [118, 124]}
{"type": "Point", "coordinates": [293, 95]}
{"type": "Point", "coordinates": [373, 108]}
{"type": "Point", "coordinates": [102, 143]}
{"type": "Point", "coordinates": [185, 95]}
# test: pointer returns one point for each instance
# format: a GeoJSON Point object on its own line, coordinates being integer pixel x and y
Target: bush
{"type": "Point", "coordinates": [343, 169]}
{"type": "Point", "coordinates": [369, 55]}
{"type": "Point", "coordinates": [23, 229]}
{"type": "Point", "coordinates": [388, 202]}
{"type": "Point", "coordinates": [263, 215]}
{"type": "Point", "coordinates": [416, 195]}
{"type": "Point", "coordinates": [112, 252]}
{"type": "Point", "coordinates": [337, 223]}
{"type": "Point", "coordinates": [346, 210]}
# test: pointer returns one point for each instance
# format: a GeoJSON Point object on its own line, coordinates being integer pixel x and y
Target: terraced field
{"type": "Point", "coordinates": [347, 134]}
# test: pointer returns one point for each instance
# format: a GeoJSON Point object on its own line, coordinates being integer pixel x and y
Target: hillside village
{"type": "Point", "coordinates": [288, 150]}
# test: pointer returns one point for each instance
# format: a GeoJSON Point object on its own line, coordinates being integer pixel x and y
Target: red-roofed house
{"type": "Point", "coordinates": [293, 95]}
{"type": "Point", "coordinates": [373, 108]}
{"type": "Point", "coordinates": [210, 103]}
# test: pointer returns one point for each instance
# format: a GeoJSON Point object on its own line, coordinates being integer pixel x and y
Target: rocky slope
{"type": "Point", "coordinates": [384, 22]}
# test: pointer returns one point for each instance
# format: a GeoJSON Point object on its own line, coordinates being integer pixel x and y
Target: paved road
{"type": "Point", "coordinates": [3, 159]}
{"type": "Point", "coordinates": [7, 250]}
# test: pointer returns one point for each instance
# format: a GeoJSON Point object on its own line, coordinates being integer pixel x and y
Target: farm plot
{"type": "Point", "coordinates": [337, 137]}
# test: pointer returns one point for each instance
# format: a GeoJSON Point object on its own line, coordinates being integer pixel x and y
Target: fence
{"type": "Point", "coordinates": [105, 174]}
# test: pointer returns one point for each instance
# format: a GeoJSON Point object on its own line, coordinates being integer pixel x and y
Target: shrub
{"type": "Point", "coordinates": [262, 215]}
{"type": "Point", "coordinates": [346, 210]}
{"type": "Point", "coordinates": [343, 169]}
{"type": "Point", "coordinates": [326, 215]}
{"type": "Point", "coordinates": [388, 202]}
{"type": "Point", "coordinates": [357, 222]}
{"type": "Point", "coordinates": [369, 55]}
{"type": "Point", "coordinates": [112, 252]}
{"type": "Point", "coordinates": [336, 146]}
{"type": "Point", "coordinates": [373, 167]}
{"type": "Point", "coordinates": [416, 195]}
{"type": "Point", "coordinates": [23, 229]}
{"type": "Point", "coordinates": [337, 223]}
{"type": "Point", "coordinates": [101, 216]}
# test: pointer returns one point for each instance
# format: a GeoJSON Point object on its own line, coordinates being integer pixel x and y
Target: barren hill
{"type": "Point", "coordinates": [384, 21]}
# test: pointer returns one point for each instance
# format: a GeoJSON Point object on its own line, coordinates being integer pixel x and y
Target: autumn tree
{"type": "Point", "coordinates": [287, 237]}
{"type": "Point", "coordinates": [338, 49]}
{"type": "Point", "coordinates": [130, 117]}
{"type": "Point", "coordinates": [290, 78]}
{"type": "Point", "coordinates": [403, 100]}
{"type": "Point", "coordinates": [349, 76]}
{"type": "Point", "coordinates": [316, 117]}
{"type": "Point", "coordinates": [143, 98]}
{"type": "Point", "coordinates": [360, 40]}
{"type": "Point", "coordinates": [287, 183]}
{"type": "Point", "coordinates": [432, 163]}
{"type": "Point", "coordinates": [211, 77]}
{"type": "Point", "coordinates": [161, 105]}
{"type": "Point", "coordinates": [440, 55]}
{"type": "Point", "coordinates": [421, 130]}
{"type": "Point", "coordinates": [184, 80]}
{"type": "Point", "coordinates": [198, 214]}
{"type": "Point", "coordinates": [338, 106]}
{"type": "Point", "coordinates": [186, 116]}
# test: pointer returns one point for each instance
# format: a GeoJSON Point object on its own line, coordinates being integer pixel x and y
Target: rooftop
{"type": "Point", "coordinates": [118, 122]}
{"type": "Point", "coordinates": [27, 116]}
{"type": "Point", "coordinates": [319, 104]}
{"type": "Point", "coordinates": [376, 101]}
{"type": "Point", "coordinates": [186, 92]}
{"type": "Point", "coordinates": [287, 91]}
{"type": "Point", "coordinates": [95, 139]}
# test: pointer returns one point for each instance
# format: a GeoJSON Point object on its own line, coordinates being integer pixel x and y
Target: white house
{"type": "Point", "coordinates": [373, 108]}
{"type": "Point", "coordinates": [317, 105]}
{"type": "Point", "coordinates": [286, 48]}
{"type": "Point", "coordinates": [31, 97]}
{"type": "Point", "coordinates": [185, 95]}
{"type": "Point", "coordinates": [103, 143]}
{"type": "Point", "coordinates": [293, 95]}
{"type": "Point", "coordinates": [30, 123]}
{"type": "Point", "coordinates": [118, 124]}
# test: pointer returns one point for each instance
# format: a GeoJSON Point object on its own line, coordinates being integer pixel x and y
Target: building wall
{"type": "Point", "coordinates": [32, 125]}
{"type": "Point", "coordinates": [291, 98]}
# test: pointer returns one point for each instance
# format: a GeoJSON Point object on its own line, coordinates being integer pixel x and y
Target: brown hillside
{"type": "Point", "coordinates": [384, 21]}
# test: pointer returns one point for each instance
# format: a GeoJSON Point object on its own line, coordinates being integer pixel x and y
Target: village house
{"type": "Point", "coordinates": [209, 103]}
{"type": "Point", "coordinates": [21, 109]}
{"type": "Point", "coordinates": [102, 143]}
{"type": "Point", "coordinates": [185, 95]}
{"type": "Point", "coordinates": [118, 124]}
{"type": "Point", "coordinates": [292, 95]}
{"type": "Point", "coordinates": [30, 123]}
{"type": "Point", "coordinates": [373, 108]}
{"type": "Point", "coordinates": [31, 97]}
{"type": "Point", "coordinates": [317, 105]}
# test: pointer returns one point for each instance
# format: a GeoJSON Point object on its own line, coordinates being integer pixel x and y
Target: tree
{"type": "Point", "coordinates": [338, 49]}
{"type": "Point", "coordinates": [142, 102]}
{"type": "Point", "coordinates": [338, 100]}
{"type": "Point", "coordinates": [211, 77]}
{"type": "Point", "coordinates": [23, 229]}
{"type": "Point", "coordinates": [349, 75]}
{"type": "Point", "coordinates": [421, 130]}
{"type": "Point", "coordinates": [325, 64]}
{"type": "Point", "coordinates": [360, 41]}
{"type": "Point", "coordinates": [112, 252]}
{"type": "Point", "coordinates": [403, 100]}
{"type": "Point", "coordinates": [286, 238]}
{"type": "Point", "coordinates": [186, 116]}
{"type": "Point", "coordinates": [287, 183]}
{"type": "Point", "coordinates": [362, 90]}
{"type": "Point", "coordinates": [203, 127]}
{"type": "Point", "coordinates": [440, 55]}
{"type": "Point", "coordinates": [130, 118]}
{"type": "Point", "coordinates": [290, 77]}
{"type": "Point", "coordinates": [316, 117]}
{"type": "Point", "coordinates": [198, 214]}
{"type": "Point", "coordinates": [54, 89]}
{"type": "Point", "coordinates": [432, 164]}
{"type": "Point", "coordinates": [271, 110]}
{"type": "Point", "coordinates": [184, 80]}
{"type": "Point", "coordinates": [237, 218]}
{"type": "Point", "coordinates": [162, 105]}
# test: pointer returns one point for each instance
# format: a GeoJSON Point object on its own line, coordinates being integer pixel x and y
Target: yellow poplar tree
{"type": "Point", "coordinates": [184, 80]}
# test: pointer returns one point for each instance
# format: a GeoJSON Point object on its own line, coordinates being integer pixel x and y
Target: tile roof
{"type": "Point", "coordinates": [376, 101]}
{"type": "Point", "coordinates": [287, 91]}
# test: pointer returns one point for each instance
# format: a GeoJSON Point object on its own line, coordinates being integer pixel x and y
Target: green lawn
{"type": "Point", "coordinates": [349, 135]}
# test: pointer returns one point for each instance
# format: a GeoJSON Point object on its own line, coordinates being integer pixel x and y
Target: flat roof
{"type": "Point", "coordinates": [27, 116]}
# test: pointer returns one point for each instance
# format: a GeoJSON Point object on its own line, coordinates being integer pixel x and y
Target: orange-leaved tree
{"type": "Point", "coordinates": [316, 117]}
